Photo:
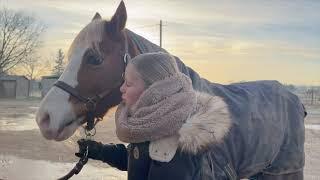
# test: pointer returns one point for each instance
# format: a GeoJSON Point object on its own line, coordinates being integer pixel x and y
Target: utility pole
{"type": "Point", "coordinates": [160, 33]}
{"type": "Point", "coordinates": [312, 95]}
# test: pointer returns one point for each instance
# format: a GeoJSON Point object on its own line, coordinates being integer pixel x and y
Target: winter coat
{"type": "Point", "coordinates": [241, 130]}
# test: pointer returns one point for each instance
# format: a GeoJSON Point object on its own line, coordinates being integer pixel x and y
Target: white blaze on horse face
{"type": "Point", "coordinates": [56, 105]}
{"type": "Point", "coordinates": [56, 117]}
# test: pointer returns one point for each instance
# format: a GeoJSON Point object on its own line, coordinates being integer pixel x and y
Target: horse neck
{"type": "Point", "coordinates": [143, 45]}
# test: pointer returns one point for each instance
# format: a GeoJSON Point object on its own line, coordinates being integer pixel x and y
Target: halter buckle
{"type": "Point", "coordinates": [90, 104]}
{"type": "Point", "coordinates": [90, 133]}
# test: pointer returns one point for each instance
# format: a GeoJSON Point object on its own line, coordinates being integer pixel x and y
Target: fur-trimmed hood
{"type": "Point", "coordinates": [208, 125]}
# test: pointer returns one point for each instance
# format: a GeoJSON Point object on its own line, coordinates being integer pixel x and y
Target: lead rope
{"type": "Point", "coordinates": [84, 159]}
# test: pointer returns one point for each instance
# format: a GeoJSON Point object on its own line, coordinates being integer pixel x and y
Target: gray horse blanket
{"type": "Point", "coordinates": [264, 114]}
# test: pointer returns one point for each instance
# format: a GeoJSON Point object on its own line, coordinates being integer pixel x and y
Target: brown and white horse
{"type": "Point", "coordinates": [95, 68]}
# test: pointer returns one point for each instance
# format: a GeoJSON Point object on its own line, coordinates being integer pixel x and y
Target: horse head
{"type": "Point", "coordinates": [95, 68]}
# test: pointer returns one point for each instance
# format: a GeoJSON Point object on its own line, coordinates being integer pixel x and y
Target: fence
{"type": "Point", "coordinates": [309, 95]}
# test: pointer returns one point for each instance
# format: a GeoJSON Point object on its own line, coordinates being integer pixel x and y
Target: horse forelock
{"type": "Point", "coordinates": [88, 37]}
{"type": "Point", "coordinates": [95, 37]}
{"type": "Point", "coordinates": [92, 33]}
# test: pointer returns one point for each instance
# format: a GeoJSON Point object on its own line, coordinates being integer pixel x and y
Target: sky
{"type": "Point", "coordinates": [224, 41]}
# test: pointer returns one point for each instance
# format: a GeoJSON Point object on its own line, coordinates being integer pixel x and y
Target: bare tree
{"type": "Point", "coordinates": [59, 67]}
{"type": "Point", "coordinates": [33, 67]}
{"type": "Point", "coordinates": [19, 37]}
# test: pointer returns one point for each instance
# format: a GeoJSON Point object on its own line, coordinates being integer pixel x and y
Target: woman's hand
{"type": "Point", "coordinates": [113, 154]}
{"type": "Point", "coordinates": [94, 149]}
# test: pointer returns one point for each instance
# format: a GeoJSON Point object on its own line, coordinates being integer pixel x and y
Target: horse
{"type": "Point", "coordinates": [89, 86]}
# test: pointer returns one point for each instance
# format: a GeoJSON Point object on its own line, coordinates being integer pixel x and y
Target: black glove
{"type": "Point", "coordinates": [113, 154]}
{"type": "Point", "coordinates": [94, 149]}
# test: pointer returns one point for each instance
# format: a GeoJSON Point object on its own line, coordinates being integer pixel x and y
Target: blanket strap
{"type": "Point", "coordinates": [230, 172]}
{"type": "Point", "coordinates": [224, 164]}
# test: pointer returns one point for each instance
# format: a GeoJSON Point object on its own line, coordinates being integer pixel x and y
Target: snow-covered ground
{"type": "Point", "coordinates": [19, 168]}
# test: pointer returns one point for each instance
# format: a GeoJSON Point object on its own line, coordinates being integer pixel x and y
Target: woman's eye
{"type": "Point", "coordinates": [93, 60]}
{"type": "Point", "coordinates": [128, 84]}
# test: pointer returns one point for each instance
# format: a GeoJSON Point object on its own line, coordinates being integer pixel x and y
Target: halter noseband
{"type": "Point", "coordinates": [91, 102]}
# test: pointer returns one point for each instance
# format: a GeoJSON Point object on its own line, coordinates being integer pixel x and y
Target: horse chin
{"type": "Point", "coordinates": [67, 131]}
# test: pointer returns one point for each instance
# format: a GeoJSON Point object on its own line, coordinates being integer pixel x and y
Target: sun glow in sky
{"type": "Point", "coordinates": [224, 41]}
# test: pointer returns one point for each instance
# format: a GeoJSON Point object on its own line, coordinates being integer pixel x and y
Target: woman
{"type": "Point", "coordinates": [177, 133]}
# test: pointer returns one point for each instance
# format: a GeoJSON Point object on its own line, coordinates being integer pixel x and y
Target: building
{"type": "Point", "coordinates": [35, 88]}
{"type": "Point", "coordinates": [12, 86]}
{"type": "Point", "coordinates": [46, 84]}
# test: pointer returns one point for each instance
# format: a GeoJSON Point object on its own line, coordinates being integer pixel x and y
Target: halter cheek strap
{"type": "Point", "coordinates": [126, 56]}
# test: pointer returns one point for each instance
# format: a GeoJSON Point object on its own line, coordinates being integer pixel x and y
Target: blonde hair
{"type": "Point", "coordinates": [153, 67]}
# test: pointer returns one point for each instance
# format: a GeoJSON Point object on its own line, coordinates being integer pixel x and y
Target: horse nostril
{"type": "Point", "coordinates": [45, 121]}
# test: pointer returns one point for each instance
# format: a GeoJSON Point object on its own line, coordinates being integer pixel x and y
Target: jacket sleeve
{"type": "Point", "coordinates": [115, 155]}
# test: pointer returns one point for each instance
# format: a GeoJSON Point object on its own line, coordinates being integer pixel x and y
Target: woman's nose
{"type": "Point", "coordinates": [122, 88]}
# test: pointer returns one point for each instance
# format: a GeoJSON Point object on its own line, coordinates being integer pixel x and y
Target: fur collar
{"type": "Point", "coordinates": [208, 125]}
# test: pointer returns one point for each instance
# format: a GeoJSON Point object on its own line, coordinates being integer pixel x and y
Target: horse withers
{"type": "Point", "coordinates": [267, 120]}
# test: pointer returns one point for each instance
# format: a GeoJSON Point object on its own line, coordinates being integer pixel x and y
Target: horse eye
{"type": "Point", "coordinates": [93, 60]}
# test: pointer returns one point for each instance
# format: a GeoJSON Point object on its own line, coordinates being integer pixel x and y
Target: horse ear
{"type": "Point", "coordinates": [119, 19]}
{"type": "Point", "coordinates": [96, 16]}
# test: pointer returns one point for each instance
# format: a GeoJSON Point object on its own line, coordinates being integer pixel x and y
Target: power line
{"type": "Point", "coordinates": [153, 25]}
{"type": "Point", "coordinates": [145, 26]}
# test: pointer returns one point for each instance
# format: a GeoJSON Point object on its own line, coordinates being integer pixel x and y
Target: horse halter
{"type": "Point", "coordinates": [91, 102]}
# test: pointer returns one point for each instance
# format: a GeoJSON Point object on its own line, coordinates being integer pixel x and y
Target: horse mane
{"type": "Point", "coordinates": [142, 43]}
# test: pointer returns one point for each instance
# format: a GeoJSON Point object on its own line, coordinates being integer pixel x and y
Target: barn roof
{"type": "Point", "coordinates": [12, 77]}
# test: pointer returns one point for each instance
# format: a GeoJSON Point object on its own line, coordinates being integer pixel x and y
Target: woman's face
{"type": "Point", "coordinates": [132, 87]}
